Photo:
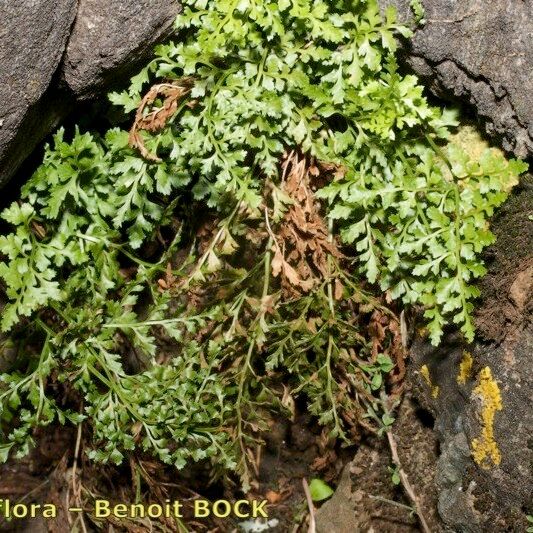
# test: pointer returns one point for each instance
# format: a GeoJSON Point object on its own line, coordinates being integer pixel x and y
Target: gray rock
{"type": "Point", "coordinates": [362, 499]}
{"type": "Point", "coordinates": [492, 493]}
{"type": "Point", "coordinates": [338, 514]}
{"type": "Point", "coordinates": [479, 52]}
{"type": "Point", "coordinates": [33, 36]}
{"type": "Point", "coordinates": [55, 53]}
{"type": "Point", "coordinates": [111, 38]}
{"type": "Point", "coordinates": [474, 497]}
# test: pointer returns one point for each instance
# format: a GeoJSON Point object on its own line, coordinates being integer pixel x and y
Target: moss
{"type": "Point", "coordinates": [425, 374]}
{"type": "Point", "coordinates": [485, 448]}
{"type": "Point", "coordinates": [465, 368]}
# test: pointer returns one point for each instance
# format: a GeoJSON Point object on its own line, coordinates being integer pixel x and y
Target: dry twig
{"type": "Point", "coordinates": [406, 484]}
{"type": "Point", "coordinates": [312, 525]}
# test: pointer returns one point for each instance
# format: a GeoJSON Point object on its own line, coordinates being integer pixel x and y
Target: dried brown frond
{"type": "Point", "coordinates": [302, 243]}
{"type": "Point", "coordinates": [398, 355]}
{"type": "Point", "coordinates": [385, 332]}
{"type": "Point", "coordinates": [154, 119]}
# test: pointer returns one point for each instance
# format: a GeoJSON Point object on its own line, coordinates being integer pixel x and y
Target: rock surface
{"type": "Point", "coordinates": [110, 39]}
{"type": "Point", "coordinates": [478, 52]}
{"type": "Point", "coordinates": [494, 492]}
{"type": "Point", "coordinates": [33, 36]}
{"type": "Point", "coordinates": [484, 474]}
{"type": "Point", "coordinates": [474, 51]}
{"type": "Point", "coordinates": [52, 54]}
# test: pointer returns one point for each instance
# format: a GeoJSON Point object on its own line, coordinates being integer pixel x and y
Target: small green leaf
{"type": "Point", "coordinates": [4, 452]}
{"type": "Point", "coordinates": [387, 419]}
{"type": "Point", "coordinates": [395, 475]}
{"type": "Point", "coordinates": [319, 490]}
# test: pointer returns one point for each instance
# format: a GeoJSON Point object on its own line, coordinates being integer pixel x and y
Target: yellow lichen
{"type": "Point", "coordinates": [465, 368]}
{"type": "Point", "coordinates": [485, 447]}
{"type": "Point", "coordinates": [422, 332]}
{"type": "Point", "coordinates": [468, 138]}
{"type": "Point", "coordinates": [424, 370]}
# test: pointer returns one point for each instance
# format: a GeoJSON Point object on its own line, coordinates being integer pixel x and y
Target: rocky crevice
{"type": "Point", "coordinates": [478, 53]}
{"type": "Point", "coordinates": [56, 54]}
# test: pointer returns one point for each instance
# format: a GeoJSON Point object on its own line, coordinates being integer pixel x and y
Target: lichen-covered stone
{"type": "Point", "coordinates": [485, 449]}
{"type": "Point", "coordinates": [483, 415]}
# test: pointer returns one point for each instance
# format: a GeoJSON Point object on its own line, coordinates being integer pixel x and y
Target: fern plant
{"type": "Point", "coordinates": [417, 7]}
{"type": "Point", "coordinates": [178, 344]}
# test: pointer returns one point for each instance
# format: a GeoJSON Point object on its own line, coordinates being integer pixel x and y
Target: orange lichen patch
{"type": "Point", "coordinates": [465, 368]}
{"type": "Point", "coordinates": [485, 448]}
{"type": "Point", "coordinates": [424, 370]}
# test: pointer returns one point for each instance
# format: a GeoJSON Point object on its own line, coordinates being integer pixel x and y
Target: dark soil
{"type": "Point", "coordinates": [367, 500]}
{"type": "Point", "coordinates": [293, 451]}
{"type": "Point", "coordinates": [510, 263]}
{"type": "Point", "coordinates": [34, 479]}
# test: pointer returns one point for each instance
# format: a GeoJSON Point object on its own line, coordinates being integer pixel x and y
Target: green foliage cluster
{"type": "Point", "coordinates": [187, 381]}
{"type": "Point", "coordinates": [421, 226]}
{"type": "Point", "coordinates": [417, 7]}
{"type": "Point", "coordinates": [324, 77]}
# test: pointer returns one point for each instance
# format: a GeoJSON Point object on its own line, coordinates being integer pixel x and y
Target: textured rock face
{"type": "Point", "coordinates": [479, 52]}
{"type": "Point", "coordinates": [475, 51]}
{"type": "Point", "coordinates": [33, 36]}
{"type": "Point", "coordinates": [111, 38]}
{"type": "Point", "coordinates": [361, 501]}
{"type": "Point", "coordinates": [55, 53]}
{"type": "Point", "coordinates": [481, 394]}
